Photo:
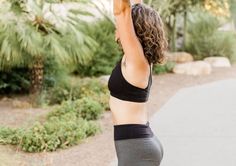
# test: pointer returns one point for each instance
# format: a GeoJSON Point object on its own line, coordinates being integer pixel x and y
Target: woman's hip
{"type": "Point", "coordinates": [137, 145]}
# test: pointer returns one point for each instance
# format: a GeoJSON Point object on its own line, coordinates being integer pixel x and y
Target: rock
{"type": "Point", "coordinates": [218, 61]}
{"type": "Point", "coordinates": [193, 68]}
{"type": "Point", "coordinates": [21, 104]}
{"type": "Point", "coordinates": [104, 78]}
{"type": "Point", "coordinates": [179, 57]}
{"type": "Point", "coordinates": [5, 99]}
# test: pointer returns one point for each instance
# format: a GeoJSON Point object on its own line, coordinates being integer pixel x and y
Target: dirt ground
{"type": "Point", "coordinates": [98, 150]}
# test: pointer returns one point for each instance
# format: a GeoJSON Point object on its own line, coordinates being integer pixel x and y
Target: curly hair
{"type": "Point", "coordinates": [150, 32]}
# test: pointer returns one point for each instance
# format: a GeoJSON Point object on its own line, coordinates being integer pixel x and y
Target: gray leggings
{"type": "Point", "coordinates": [139, 151]}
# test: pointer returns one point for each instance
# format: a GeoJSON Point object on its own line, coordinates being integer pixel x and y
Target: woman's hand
{"type": "Point", "coordinates": [136, 1]}
{"type": "Point", "coordinates": [120, 6]}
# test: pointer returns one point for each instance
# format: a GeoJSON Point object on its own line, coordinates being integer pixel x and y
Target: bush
{"type": "Point", "coordinates": [60, 110]}
{"type": "Point", "coordinates": [205, 40]}
{"type": "Point", "coordinates": [64, 127]}
{"type": "Point", "coordinates": [95, 90]}
{"type": "Point", "coordinates": [59, 93]}
{"type": "Point", "coordinates": [57, 133]}
{"type": "Point", "coordinates": [166, 68]}
{"type": "Point", "coordinates": [91, 87]}
{"type": "Point", "coordinates": [88, 109]}
{"type": "Point", "coordinates": [10, 136]}
{"type": "Point", "coordinates": [106, 54]}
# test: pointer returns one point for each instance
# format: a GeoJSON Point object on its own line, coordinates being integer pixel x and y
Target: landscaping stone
{"type": "Point", "coordinates": [21, 104]}
{"type": "Point", "coordinates": [104, 78]}
{"type": "Point", "coordinates": [179, 57]}
{"type": "Point", "coordinates": [193, 68]}
{"type": "Point", "coordinates": [5, 99]}
{"type": "Point", "coordinates": [218, 61]}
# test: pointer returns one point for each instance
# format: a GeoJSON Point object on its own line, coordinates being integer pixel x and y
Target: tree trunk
{"type": "Point", "coordinates": [185, 29]}
{"type": "Point", "coordinates": [36, 76]}
{"type": "Point", "coordinates": [173, 34]}
{"type": "Point", "coordinates": [234, 20]}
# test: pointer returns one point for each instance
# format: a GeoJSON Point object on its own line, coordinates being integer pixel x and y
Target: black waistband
{"type": "Point", "coordinates": [128, 131]}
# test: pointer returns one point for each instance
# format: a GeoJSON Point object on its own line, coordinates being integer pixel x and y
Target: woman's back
{"type": "Point", "coordinates": [128, 99]}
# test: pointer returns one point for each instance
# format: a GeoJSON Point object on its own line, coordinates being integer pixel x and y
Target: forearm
{"type": "Point", "coordinates": [120, 6]}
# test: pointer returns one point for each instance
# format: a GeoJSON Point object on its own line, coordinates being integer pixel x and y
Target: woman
{"type": "Point", "coordinates": [139, 31]}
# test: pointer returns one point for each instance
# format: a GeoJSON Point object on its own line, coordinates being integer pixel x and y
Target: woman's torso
{"type": "Point", "coordinates": [127, 112]}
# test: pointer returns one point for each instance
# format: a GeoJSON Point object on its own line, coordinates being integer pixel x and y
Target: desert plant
{"type": "Point", "coordinates": [206, 40]}
{"type": "Point", "coordinates": [27, 38]}
{"type": "Point", "coordinates": [88, 109]}
{"type": "Point", "coordinates": [63, 128]}
{"type": "Point", "coordinates": [106, 54]}
{"type": "Point", "coordinates": [165, 68]}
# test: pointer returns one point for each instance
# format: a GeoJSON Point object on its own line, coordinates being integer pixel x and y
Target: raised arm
{"type": "Point", "coordinates": [124, 24]}
{"type": "Point", "coordinates": [120, 6]}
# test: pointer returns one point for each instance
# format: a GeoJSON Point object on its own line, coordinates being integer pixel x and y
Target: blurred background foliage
{"type": "Point", "coordinates": [195, 26]}
{"type": "Point", "coordinates": [106, 54]}
{"type": "Point", "coordinates": [41, 48]}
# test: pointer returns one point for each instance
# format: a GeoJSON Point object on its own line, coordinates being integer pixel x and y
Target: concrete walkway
{"type": "Point", "coordinates": [197, 126]}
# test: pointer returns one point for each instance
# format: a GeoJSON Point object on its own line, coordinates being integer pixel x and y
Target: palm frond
{"type": "Point", "coordinates": [23, 37]}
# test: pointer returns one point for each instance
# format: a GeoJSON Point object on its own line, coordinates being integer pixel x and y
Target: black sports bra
{"type": "Point", "coordinates": [120, 88]}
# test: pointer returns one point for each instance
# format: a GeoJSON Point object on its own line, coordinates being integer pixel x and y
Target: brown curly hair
{"type": "Point", "coordinates": [150, 32]}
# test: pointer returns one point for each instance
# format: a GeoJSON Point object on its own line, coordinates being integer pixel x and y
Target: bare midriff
{"type": "Point", "coordinates": [127, 112]}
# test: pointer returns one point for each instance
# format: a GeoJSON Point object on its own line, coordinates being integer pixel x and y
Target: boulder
{"type": "Point", "coordinates": [5, 99]}
{"type": "Point", "coordinates": [193, 68]}
{"type": "Point", "coordinates": [218, 61]}
{"type": "Point", "coordinates": [21, 104]}
{"type": "Point", "coordinates": [104, 79]}
{"type": "Point", "coordinates": [179, 57]}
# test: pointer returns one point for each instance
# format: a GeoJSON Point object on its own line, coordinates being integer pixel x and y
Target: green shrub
{"type": "Point", "coordinates": [60, 110]}
{"type": "Point", "coordinates": [10, 136]}
{"type": "Point", "coordinates": [88, 109]}
{"type": "Point", "coordinates": [165, 68]}
{"type": "Point", "coordinates": [205, 40]}
{"type": "Point", "coordinates": [95, 90]}
{"type": "Point", "coordinates": [103, 99]}
{"type": "Point", "coordinates": [33, 138]}
{"type": "Point", "coordinates": [84, 87]}
{"type": "Point", "coordinates": [59, 93]}
{"type": "Point", "coordinates": [55, 133]}
{"type": "Point", "coordinates": [66, 125]}
{"type": "Point", "coordinates": [106, 54]}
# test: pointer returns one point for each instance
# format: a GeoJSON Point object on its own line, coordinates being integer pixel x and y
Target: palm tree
{"type": "Point", "coordinates": [27, 38]}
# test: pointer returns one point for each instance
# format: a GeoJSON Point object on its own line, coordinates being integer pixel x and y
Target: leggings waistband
{"type": "Point", "coordinates": [128, 131]}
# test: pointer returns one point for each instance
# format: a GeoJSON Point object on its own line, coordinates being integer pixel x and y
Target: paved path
{"type": "Point", "coordinates": [197, 126]}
